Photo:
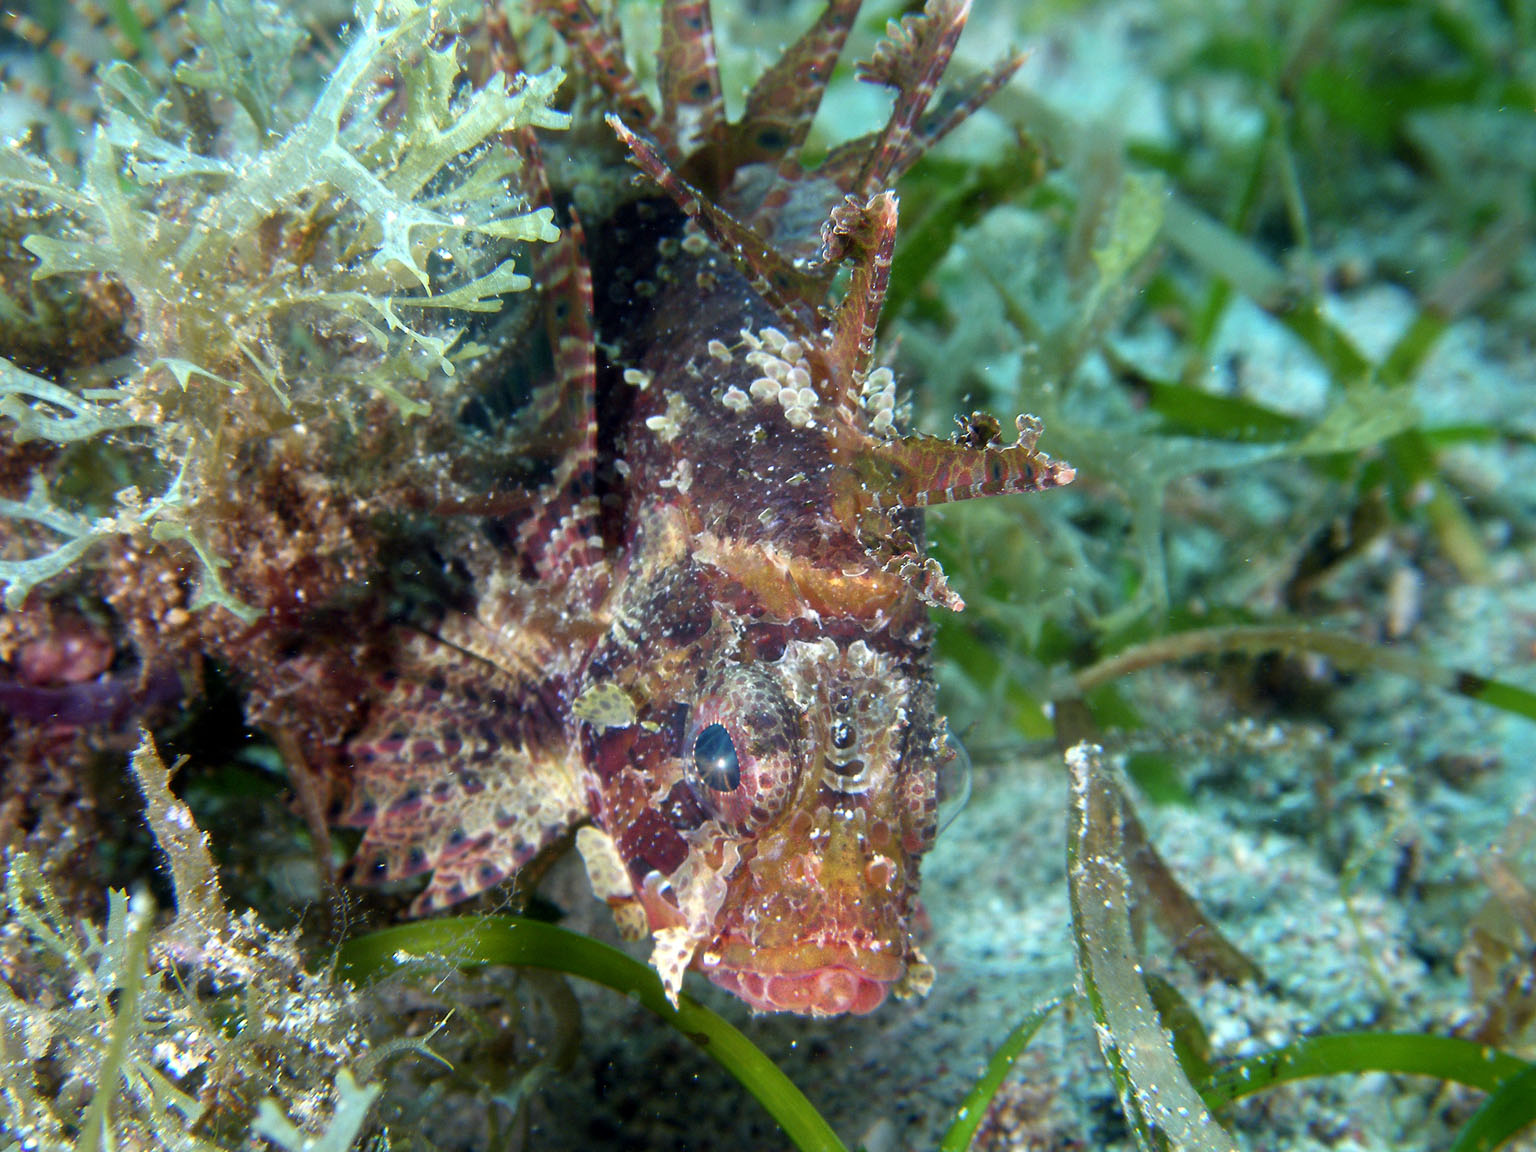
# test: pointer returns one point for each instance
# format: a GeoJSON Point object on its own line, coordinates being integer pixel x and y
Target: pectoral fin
{"type": "Point", "coordinates": [916, 471]}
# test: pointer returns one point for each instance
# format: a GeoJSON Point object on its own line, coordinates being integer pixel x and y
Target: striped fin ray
{"type": "Point", "coordinates": [568, 287]}
{"type": "Point", "coordinates": [76, 63]}
{"type": "Point", "coordinates": [691, 104]}
{"type": "Point", "coordinates": [137, 31]}
{"type": "Point", "coordinates": [560, 270]}
{"type": "Point", "coordinates": [917, 471]}
{"type": "Point", "coordinates": [56, 87]}
{"type": "Point", "coordinates": [783, 102]}
{"type": "Point", "coordinates": [954, 108]}
{"type": "Point", "coordinates": [451, 780]}
{"type": "Point", "coordinates": [867, 234]}
{"type": "Point", "coordinates": [782, 107]}
{"type": "Point", "coordinates": [562, 540]}
{"type": "Point", "coordinates": [565, 414]}
{"type": "Point", "coordinates": [790, 290]}
{"type": "Point", "coordinates": [600, 42]}
{"type": "Point", "coordinates": [910, 59]}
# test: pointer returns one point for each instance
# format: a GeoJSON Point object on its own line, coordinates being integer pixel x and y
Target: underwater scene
{"type": "Point", "coordinates": [776, 574]}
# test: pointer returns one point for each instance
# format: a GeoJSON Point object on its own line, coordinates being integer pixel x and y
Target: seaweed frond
{"type": "Point", "coordinates": [137, 1036]}
{"type": "Point", "coordinates": [290, 256]}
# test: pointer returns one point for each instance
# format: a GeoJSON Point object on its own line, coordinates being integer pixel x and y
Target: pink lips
{"type": "Point", "coordinates": [828, 991]}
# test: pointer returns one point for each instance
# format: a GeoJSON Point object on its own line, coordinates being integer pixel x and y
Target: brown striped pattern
{"type": "Point", "coordinates": [690, 74]}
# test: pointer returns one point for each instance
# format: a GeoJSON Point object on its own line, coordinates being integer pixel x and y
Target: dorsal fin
{"type": "Point", "coordinates": [600, 42]}
{"type": "Point", "coordinates": [910, 59]}
{"type": "Point", "coordinates": [565, 282]}
{"type": "Point", "coordinates": [866, 233]}
{"type": "Point", "coordinates": [954, 107]}
{"type": "Point", "coordinates": [793, 292]}
{"type": "Point", "coordinates": [562, 539]}
{"type": "Point", "coordinates": [783, 103]}
{"type": "Point", "coordinates": [565, 411]}
{"type": "Point", "coordinates": [691, 104]}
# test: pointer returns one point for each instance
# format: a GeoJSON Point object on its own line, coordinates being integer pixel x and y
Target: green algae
{"type": "Point", "coordinates": [310, 256]}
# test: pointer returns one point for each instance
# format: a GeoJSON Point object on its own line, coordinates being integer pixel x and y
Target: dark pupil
{"type": "Point", "coordinates": [842, 734]}
{"type": "Point", "coordinates": [715, 757]}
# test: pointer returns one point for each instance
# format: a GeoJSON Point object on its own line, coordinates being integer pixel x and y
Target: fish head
{"type": "Point", "coordinates": [813, 779]}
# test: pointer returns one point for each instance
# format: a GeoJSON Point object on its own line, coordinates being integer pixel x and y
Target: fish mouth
{"type": "Point", "coordinates": [822, 992]}
{"type": "Point", "coordinates": [823, 981]}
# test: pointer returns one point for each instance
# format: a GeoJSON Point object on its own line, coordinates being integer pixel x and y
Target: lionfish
{"type": "Point", "coordinates": [706, 646]}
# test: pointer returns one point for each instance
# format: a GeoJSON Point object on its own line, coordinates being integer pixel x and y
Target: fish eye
{"type": "Point", "coordinates": [742, 754]}
{"type": "Point", "coordinates": [714, 755]}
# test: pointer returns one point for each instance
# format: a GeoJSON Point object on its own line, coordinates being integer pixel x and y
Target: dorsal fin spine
{"type": "Point", "coordinates": [600, 42]}
{"type": "Point", "coordinates": [867, 232]}
{"type": "Point", "coordinates": [790, 290]}
{"type": "Point", "coordinates": [912, 58]}
{"type": "Point", "coordinates": [690, 73]}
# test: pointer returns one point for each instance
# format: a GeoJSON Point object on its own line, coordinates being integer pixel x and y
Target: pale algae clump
{"type": "Point", "coordinates": [290, 255]}
{"type": "Point", "coordinates": [198, 1035]}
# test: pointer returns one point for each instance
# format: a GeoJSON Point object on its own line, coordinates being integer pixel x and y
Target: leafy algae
{"type": "Point", "coordinates": [285, 265]}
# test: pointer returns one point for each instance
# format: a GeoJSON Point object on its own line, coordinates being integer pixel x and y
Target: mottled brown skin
{"type": "Point", "coordinates": [746, 568]}
{"type": "Point", "coordinates": [708, 648]}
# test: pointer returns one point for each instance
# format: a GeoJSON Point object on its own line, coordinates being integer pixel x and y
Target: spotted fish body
{"type": "Point", "coordinates": [708, 651]}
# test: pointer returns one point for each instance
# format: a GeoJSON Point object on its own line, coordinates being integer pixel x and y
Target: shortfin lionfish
{"type": "Point", "coordinates": [706, 646]}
